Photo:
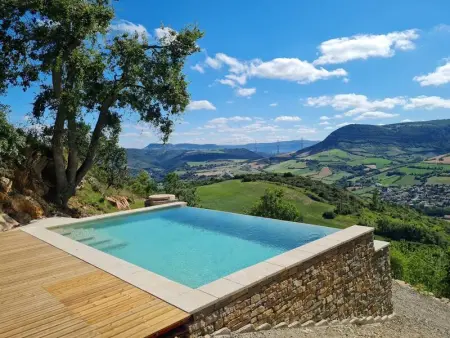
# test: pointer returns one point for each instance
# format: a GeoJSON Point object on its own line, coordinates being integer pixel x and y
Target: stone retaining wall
{"type": "Point", "coordinates": [350, 280]}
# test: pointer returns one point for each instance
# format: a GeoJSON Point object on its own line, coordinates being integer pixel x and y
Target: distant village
{"type": "Point", "coordinates": [419, 196]}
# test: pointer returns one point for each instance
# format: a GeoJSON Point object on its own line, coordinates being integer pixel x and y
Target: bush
{"type": "Point", "coordinates": [288, 174]}
{"type": "Point", "coordinates": [272, 205]}
{"type": "Point", "coordinates": [329, 215]}
{"type": "Point", "coordinates": [425, 265]}
{"type": "Point", "coordinates": [143, 185]}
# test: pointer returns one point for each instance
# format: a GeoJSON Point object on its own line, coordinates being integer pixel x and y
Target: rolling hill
{"type": "Point", "coordinates": [266, 148]}
{"type": "Point", "coordinates": [393, 140]}
{"type": "Point", "coordinates": [160, 161]}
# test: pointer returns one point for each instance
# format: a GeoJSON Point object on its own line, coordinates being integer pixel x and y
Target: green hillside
{"type": "Point", "coordinates": [393, 140]}
{"type": "Point", "coordinates": [239, 197]}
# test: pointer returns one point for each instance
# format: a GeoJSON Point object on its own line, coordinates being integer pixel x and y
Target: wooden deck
{"type": "Point", "coordinates": [45, 292]}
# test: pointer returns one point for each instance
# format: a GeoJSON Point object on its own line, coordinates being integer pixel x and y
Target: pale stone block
{"type": "Point", "coordinates": [247, 328]}
{"type": "Point", "coordinates": [323, 322]}
{"type": "Point", "coordinates": [263, 327]}
{"type": "Point", "coordinates": [281, 325]}
{"type": "Point", "coordinates": [222, 332]}
{"type": "Point", "coordinates": [294, 324]}
{"type": "Point", "coordinates": [308, 323]}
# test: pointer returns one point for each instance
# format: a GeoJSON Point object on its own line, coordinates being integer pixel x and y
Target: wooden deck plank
{"type": "Point", "coordinates": [46, 292]}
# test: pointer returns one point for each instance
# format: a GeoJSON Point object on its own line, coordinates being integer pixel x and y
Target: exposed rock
{"type": "Point", "coordinates": [120, 202]}
{"type": "Point", "coordinates": [7, 223]}
{"type": "Point", "coordinates": [27, 205]}
{"type": "Point", "coordinates": [159, 199]}
{"type": "Point", "coordinates": [5, 185]}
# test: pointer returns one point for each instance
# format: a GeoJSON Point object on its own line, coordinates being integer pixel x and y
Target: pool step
{"type": "Point", "coordinates": [113, 246]}
{"type": "Point", "coordinates": [96, 242]}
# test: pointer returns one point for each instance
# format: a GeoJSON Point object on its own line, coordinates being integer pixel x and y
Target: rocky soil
{"type": "Point", "coordinates": [416, 316]}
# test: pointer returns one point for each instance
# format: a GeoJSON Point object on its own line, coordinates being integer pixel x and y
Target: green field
{"type": "Point", "coordinates": [334, 155]}
{"type": "Point", "coordinates": [439, 180]}
{"type": "Point", "coordinates": [379, 162]}
{"type": "Point", "coordinates": [239, 197]}
{"type": "Point", "coordinates": [407, 180]}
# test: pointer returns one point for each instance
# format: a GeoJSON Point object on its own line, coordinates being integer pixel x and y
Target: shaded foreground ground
{"type": "Point", "coordinates": [417, 316]}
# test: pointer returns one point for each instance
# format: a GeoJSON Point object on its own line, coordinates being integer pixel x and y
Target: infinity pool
{"type": "Point", "coordinates": [193, 246]}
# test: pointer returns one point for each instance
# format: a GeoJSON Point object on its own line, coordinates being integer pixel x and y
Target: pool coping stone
{"type": "Point", "coordinates": [181, 296]}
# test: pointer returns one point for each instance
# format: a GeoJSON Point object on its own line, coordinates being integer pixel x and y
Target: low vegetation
{"type": "Point", "coordinates": [272, 205]}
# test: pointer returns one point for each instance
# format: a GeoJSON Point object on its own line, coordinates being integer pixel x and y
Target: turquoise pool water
{"type": "Point", "coordinates": [193, 246]}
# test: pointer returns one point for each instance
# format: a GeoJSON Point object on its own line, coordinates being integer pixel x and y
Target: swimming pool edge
{"type": "Point", "coordinates": [181, 296]}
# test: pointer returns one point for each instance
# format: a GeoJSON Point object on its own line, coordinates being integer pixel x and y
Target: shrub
{"type": "Point", "coordinates": [272, 205]}
{"type": "Point", "coordinates": [329, 215]}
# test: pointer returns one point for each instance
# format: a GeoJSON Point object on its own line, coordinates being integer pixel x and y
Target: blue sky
{"type": "Point", "coordinates": [282, 70]}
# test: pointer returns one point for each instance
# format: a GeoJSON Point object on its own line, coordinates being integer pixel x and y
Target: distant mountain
{"type": "Point", "coordinates": [159, 160]}
{"type": "Point", "coordinates": [418, 138]}
{"type": "Point", "coordinates": [266, 148]}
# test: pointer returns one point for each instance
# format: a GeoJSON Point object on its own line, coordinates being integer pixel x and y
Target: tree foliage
{"type": "Point", "coordinates": [112, 162]}
{"type": "Point", "coordinates": [272, 205]}
{"type": "Point", "coordinates": [85, 72]}
{"type": "Point", "coordinates": [425, 266]}
{"type": "Point", "coordinates": [143, 185]}
{"type": "Point", "coordinates": [182, 190]}
{"type": "Point", "coordinates": [11, 141]}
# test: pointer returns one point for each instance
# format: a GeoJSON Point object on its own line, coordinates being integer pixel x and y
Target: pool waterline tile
{"type": "Point", "coordinates": [189, 299]}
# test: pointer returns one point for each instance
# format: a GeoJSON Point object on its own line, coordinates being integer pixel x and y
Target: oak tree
{"type": "Point", "coordinates": [82, 72]}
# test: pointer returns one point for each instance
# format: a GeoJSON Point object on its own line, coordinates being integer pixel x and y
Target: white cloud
{"type": "Point", "coordinates": [242, 79]}
{"type": "Point", "coordinates": [198, 68]}
{"type": "Point", "coordinates": [441, 28]}
{"type": "Point", "coordinates": [200, 105]}
{"type": "Point", "coordinates": [324, 123]}
{"type": "Point", "coordinates": [235, 66]}
{"type": "Point", "coordinates": [125, 26]}
{"type": "Point", "coordinates": [364, 46]}
{"type": "Point", "coordinates": [239, 118]}
{"type": "Point", "coordinates": [329, 128]}
{"type": "Point", "coordinates": [345, 80]}
{"type": "Point", "coordinates": [427, 102]}
{"type": "Point", "coordinates": [338, 116]}
{"type": "Point", "coordinates": [213, 63]}
{"type": "Point", "coordinates": [285, 118]}
{"type": "Point", "coordinates": [373, 115]}
{"type": "Point", "coordinates": [354, 103]}
{"type": "Point", "coordinates": [165, 34]}
{"type": "Point", "coordinates": [227, 82]}
{"type": "Point", "coordinates": [273, 104]}
{"type": "Point", "coordinates": [292, 69]}
{"type": "Point", "coordinates": [340, 125]}
{"type": "Point", "coordinates": [245, 91]}
{"type": "Point", "coordinates": [439, 77]}
{"type": "Point", "coordinates": [306, 130]}
{"type": "Point", "coordinates": [406, 120]}
{"type": "Point", "coordinates": [324, 118]}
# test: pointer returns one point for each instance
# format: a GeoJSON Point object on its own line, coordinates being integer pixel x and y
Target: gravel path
{"type": "Point", "coordinates": [417, 316]}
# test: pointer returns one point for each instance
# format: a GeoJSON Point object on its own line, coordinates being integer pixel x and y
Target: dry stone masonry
{"type": "Point", "coordinates": [350, 281]}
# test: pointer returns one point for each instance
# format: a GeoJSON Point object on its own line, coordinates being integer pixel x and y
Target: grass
{"type": "Point", "coordinates": [333, 155]}
{"type": "Point", "coordinates": [94, 203]}
{"type": "Point", "coordinates": [239, 197]}
{"type": "Point", "coordinates": [379, 162]}
{"type": "Point", "coordinates": [439, 180]}
{"type": "Point", "coordinates": [407, 180]}
{"type": "Point", "coordinates": [286, 166]}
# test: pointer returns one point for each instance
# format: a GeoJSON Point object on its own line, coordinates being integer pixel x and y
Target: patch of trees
{"type": "Point", "coordinates": [273, 205]}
